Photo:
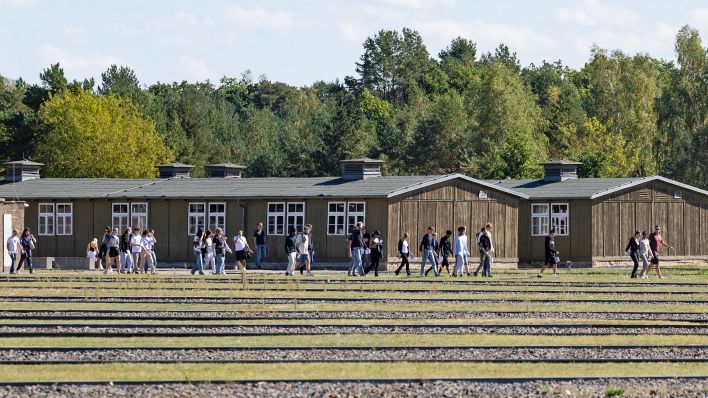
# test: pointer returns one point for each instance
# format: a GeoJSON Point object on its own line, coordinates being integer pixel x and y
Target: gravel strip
{"type": "Point", "coordinates": [681, 387]}
{"type": "Point", "coordinates": [332, 300]}
{"type": "Point", "coordinates": [184, 330]}
{"type": "Point", "coordinates": [367, 354]}
{"type": "Point", "coordinates": [352, 315]}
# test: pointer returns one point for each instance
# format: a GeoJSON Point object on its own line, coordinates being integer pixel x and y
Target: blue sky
{"type": "Point", "coordinates": [302, 41]}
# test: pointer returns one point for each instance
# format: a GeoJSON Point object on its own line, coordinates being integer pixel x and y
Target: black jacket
{"type": "Point", "coordinates": [485, 243]}
{"type": "Point", "coordinates": [550, 247]}
{"type": "Point", "coordinates": [427, 243]}
{"type": "Point", "coordinates": [445, 248]}
{"type": "Point", "coordinates": [632, 246]}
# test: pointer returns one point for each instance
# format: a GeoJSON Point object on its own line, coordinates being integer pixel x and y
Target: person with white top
{"type": "Point", "coordinates": [645, 253]}
{"type": "Point", "coordinates": [113, 258]}
{"type": "Point", "coordinates": [292, 251]}
{"type": "Point", "coordinates": [146, 244]}
{"type": "Point", "coordinates": [241, 247]}
{"type": "Point", "coordinates": [303, 245]}
{"type": "Point", "coordinates": [461, 251]}
{"type": "Point", "coordinates": [135, 248]}
{"type": "Point", "coordinates": [404, 253]}
{"type": "Point", "coordinates": [209, 258]}
{"type": "Point", "coordinates": [220, 249]}
{"type": "Point", "coordinates": [197, 245]}
{"type": "Point", "coordinates": [13, 246]}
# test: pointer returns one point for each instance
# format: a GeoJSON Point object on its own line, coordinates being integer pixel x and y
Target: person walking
{"type": "Point", "coordinates": [461, 251]}
{"type": "Point", "coordinates": [485, 247]}
{"type": "Point", "coordinates": [242, 251]}
{"type": "Point", "coordinates": [13, 247]}
{"type": "Point", "coordinates": [403, 253]}
{"type": "Point", "coordinates": [632, 250]}
{"type": "Point", "coordinates": [113, 258]}
{"type": "Point", "coordinates": [445, 250]}
{"type": "Point", "coordinates": [259, 242]}
{"type": "Point", "coordinates": [126, 260]}
{"type": "Point", "coordinates": [376, 247]}
{"type": "Point", "coordinates": [436, 254]}
{"type": "Point", "coordinates": [645, 254]}
{"type": "Point", "coordinates": [146, 244]}
{"type": "Point", "coordinates": [303, 246]}
{"type": "Point", "coordinates": [365, 250]}
{"type": "Point", "coordinates": [221, 247]}
{"type": "Point", "coordinates": [481, 254]}
{"type": "Point", "coordinates": [208, 251]}
{"type": "Point", "coordinates": [656, 242]}
{"type": "Point", "coordinates": [27, 244]}
{"type": "Point", "coordinates": [153, 253]}
{"type": "Point", "coordinates": [427, 247]}
{"type": "Point", "coordinates": [550, 253]}
{"type": "Point", "coordinates": [356, 245]}
{"type": "Point", "coordinates": [197, 243]}
{"type": "Point", "coordinates": [136, 241]}
{"type": "Point", "coordinates": [311, 245]}
{"type": "Point", "coordinates": [291, 249]}
{"type": "Point", "coordinates": [92, 251]}
{"type": "Point", "coordinates": [103, 249]}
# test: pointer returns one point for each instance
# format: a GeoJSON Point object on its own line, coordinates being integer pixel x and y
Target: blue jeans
{"type": "Point", "coordinates": [460, 261]}
{"type": "Point", "coordinates": [198, 262]}
{"type": "Point", "coordinates": [356, 267]}
{"type": "Point", "coordinates": [219, 263]}
{"type": "Point", "coordinates": [13, 258]}
{"type": "Point", "coordinates": [486, 265]}
{"type": "Point", "coordinates": [260, 254]}
{"type": "Point", "coordinates": [430, 256]}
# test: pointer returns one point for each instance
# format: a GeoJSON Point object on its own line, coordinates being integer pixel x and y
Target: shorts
{"type": "Point", "coordinates": [241, 255]}
{"type": "Point", "coordinates": [304, 257]}
{"type": "Point", "coordinates": [112, 252]}
{"type": "Point", "coordinates": [102, 250]}
{"type": "Point", "coordinates": [655, 260]}
{"type": "Point", "coordinates": [551, 260]}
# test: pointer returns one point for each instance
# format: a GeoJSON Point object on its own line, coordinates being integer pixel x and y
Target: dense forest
{"type": "Point", "coordinates": [462, 111]}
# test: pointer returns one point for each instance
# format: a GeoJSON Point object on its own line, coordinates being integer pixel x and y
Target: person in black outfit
{"type": "Point", "coordinates": [485, 247]}
{"type": "Point", "coordinates": [404, 253]}
{"type": "Point", "coordinates": [376, 246]}
{"type": "Point", "coordinates": [550, 253]}
{"type": "Point", "coordinates": [445, 248]}
{"type": "Point", "coordinates": [633, 250]}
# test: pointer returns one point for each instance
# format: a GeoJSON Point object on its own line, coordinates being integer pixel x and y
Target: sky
{"type": "Point", "coordinates": [303, 41]}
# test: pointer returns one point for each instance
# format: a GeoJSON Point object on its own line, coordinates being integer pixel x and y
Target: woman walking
{"type": "Point", "coordinates": [291, 249]}
{"type": "Point", "coordinates": [376, 247]}
{"type": "Point", "coordinates": [146, 245]}
{"type": "Point", "coordinates": [27, 244]}
{"type": "Point", "coordinates": [551, 254]}
{"type": "Point", "coordinates": [126, 263]}
{"type": "Point", "coordinates": [208, 250]}
{"type": "Point", "coordinates": [220, 248]}
{"type": "Point", "coordinates": [404, 253]}
{"type": "Point", "coordinates": [644, 254]}
{"type": "Point", "coordinates": [633, 250]}
{"type": "Point", "coordinates": [197, 243]}
{"type": "Point", "coordinates": [461, 251]}
{"type": "Point", "coordinates": [241, 248]}
{"type": "Point", "coordinates": [113, 258]}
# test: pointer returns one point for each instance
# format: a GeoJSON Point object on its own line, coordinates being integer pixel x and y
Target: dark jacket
{"type": "Point", "coordinates": [445, 248]}
{"type": "Point", "coordinates": [632, 246]}
{"type": "Point", "coordinates": [427, 243]}
{"type": "Point", "coordinates": [357, 239]}
{"type": "Point", "coordinates": [125, 243]}
{"type": "Point", "coordinates": [550, 247]}
{"type": "Point", "coordinates": [485, 243]}
{"type": "Point", "coordinates": [291, 244]}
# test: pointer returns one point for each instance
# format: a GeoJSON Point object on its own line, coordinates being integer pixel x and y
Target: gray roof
{"type": "Point", "coordinates": [243, 188]}
{"type": "Point", "coordinates": [582, 188]}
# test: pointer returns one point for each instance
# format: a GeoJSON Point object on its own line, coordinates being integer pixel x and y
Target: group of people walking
{"type": "Point", "coordinates": [436, 252]}
{"type": "Point", "coordinates": [211, 248]}
{"type": "Point", "coordinates": [130, 252]}
{"type": "Point", "coordinates": [646, 248]}
{"type": "Point", "coordinates": [21, 244]}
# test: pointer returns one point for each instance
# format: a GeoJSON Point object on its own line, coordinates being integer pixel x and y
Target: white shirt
{"type": "Point", "coordinates": [13, 243]}
{"type": "Point", "coordinates": [491, 242]}
{"type": "Point", "coordinates": [135, 242]}
{"type": "Point", "coordinates": [404, 247]}
{"type": "Point", "coordinates": [209, 245]}
{"type": "Point", "coordinates": [461, 248]}
{"type": "Point", "coordinates": [240, 243]}
{"type": "Point", "coordinates": [303, 243]}
{"type": "Point", "coordinates": [644, 248]}
{"type": "Point", "coordinates": [147, 242]}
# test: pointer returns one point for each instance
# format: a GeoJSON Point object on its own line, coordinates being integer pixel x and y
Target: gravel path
{"type": "Point", "coordinates": [366, 354]}
{"type": "Point", "coordinates": [682, 388]}
{"type": "Point", "coordinates": [330, 300]}
{"type": "Point", "coordinates": [205, 330]}
{"type": "Point", "coordinates": [350, 315]}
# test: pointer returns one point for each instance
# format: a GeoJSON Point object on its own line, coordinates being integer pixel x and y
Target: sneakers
{"type": "Point", "coordinates": [539, 275]}
{"type": "Point", "coordinates": [475, 273]}
{"type": "Point", "coordinates": [309, 273]}
{"type": "Point", "coordinates": [555, 275]}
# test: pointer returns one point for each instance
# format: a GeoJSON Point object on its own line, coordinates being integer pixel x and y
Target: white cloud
{"type": "Point", "coordinates": [19, 3]}
{"type": "Point", "coordinates": [194, 68]}
{"type": "Point", "coordinates": [77, 64]}
{"type": "Point", "coordinates": [418, 4]}
{"type": "Point", "coordinates": [596, 13]}
{"type": "Point", "coordinates": [487, 33]}
{"type": "Point", "coordinates": [259, 17]}
{"type": "Point", "coordinates": [75, 33]}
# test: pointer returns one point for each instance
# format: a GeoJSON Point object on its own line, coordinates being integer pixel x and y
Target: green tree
{"type": "Point", "coordinates": [87, 135]}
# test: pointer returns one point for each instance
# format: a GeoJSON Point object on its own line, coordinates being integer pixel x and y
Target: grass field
{"type": "Point", "coordinates": [578, 298]}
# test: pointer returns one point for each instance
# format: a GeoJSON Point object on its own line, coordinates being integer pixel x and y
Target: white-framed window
{"type": "Point", "coordinates": [217, 216]}
{"type": "Point", "coordinates": [678, 195]}
{"type": "Point", "coordinates": [196, 217]}
{"type": "Point", "coordinates": [64, 215]}
{"type": "Point", "coordinates": [46, 219]}
{"type": "Point", "coordinates": [296, 216]}
{"type": "Point", "coordinates": [138, 216]}
{"type": "Point", "coordinates": [356, 212]}
{"type": "Point", "coordinates": [120, 215]}
{"type": "Point", "coordinates": [539, 219]}
{"type": "Point", "coordinates": [560, 215]}
{"type": "Point", "coordinates": [336, 214]}
{"type": "Point", "coordinates": [276, 218]}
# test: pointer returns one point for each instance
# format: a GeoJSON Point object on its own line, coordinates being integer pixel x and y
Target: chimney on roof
{"type": "Point", "coordinates": [175, 169]}
{"type": "Point", "coordinates": [560, 170]}
{"type": "Point", "coordinates": [22, 170]}
{"type": "Point", "coordinates": [224, 170]}
{"type": "Point", "coordinates": [359, 169]}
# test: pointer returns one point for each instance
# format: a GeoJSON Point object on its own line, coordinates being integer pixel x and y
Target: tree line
{"type": "Point", "coordinates": [481, 114]}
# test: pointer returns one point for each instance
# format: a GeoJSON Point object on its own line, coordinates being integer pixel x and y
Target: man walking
{"type": "Point", "coordinates": [356, 245]}
{"type": "Point", "coordinates": [485, 248]}
{"type": "Point", "coordinates": [461, 251]}
{"type": "Point", "coordinates": [656, 241]}
{"type": "Point", "coordinates": [13, 245]}
{"type": "Point", "coordinates": [259, 242]}
{"type": "Point", "coordinates": [427, 247]}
